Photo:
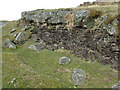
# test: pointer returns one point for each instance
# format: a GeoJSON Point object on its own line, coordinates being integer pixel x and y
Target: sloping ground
{"type": "Point", "coordinates": [24, 68]}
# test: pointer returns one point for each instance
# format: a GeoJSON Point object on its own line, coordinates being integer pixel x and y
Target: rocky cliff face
{"type": "Point", "coordinates": [86, 33]}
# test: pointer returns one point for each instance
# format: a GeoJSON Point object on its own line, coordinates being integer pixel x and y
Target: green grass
{"type": "Point", "coordinates": [24, 68]}
{"type": "Point", "coordinates": [13, 25]}
{"type": "Point", "coordinates": [42, 70]}
{"type": "Point", "coordinates": [111, 9]}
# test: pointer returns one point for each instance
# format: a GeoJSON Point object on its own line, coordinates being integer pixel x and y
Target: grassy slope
{"type": "Point", "coordinates": [42, 69]}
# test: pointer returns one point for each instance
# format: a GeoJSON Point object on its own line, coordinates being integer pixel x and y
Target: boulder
{"type": "Point", "coordinates": [13, 30]}
{"type": "Point", "coordinates": [78, 76]}
{"type": "Point", "coordinates": [9, 44]}
{"type": "Point", "coordinates": [37, 46]}
{"type": "Point", "coordinates": [22, 37]}
{"type": "Point", "coordinates": [18, 38]}
{"type": "Point", "coordinates": [64, 60]}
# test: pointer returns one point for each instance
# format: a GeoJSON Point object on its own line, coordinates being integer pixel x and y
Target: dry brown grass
{"type": "Point", "coordinates": [37, 21]}
{"type": "Point", "coordinates": [70, 21]}
{"type": "Point", "coordinates": [57, 27]}
{"type": "Point", "coordinates": [44, 25]}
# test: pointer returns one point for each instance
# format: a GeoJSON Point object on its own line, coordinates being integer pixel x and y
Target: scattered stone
{"type": "Point", "coordinates": [117, 85]}
{"type": "Point", "coordinates": [11, 34]}
{"type": "Point", "coordinates": [13, 30]}
{"type": "Point", "coordinates": [64, 60]}
{"type": "Point", "coordinates": [78, 76]}
{"type": "Point", "coordinates": [37, 46]}
{"type": "Point", "coordinates": [9, 44]}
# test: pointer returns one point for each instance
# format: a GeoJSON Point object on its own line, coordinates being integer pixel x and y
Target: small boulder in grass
{"type": "Point", "coordinates": [78, 76]}
{"type": "Point", "coordinates": [64, 60]}
{"type": "Point", "coordinates": [13, 30]}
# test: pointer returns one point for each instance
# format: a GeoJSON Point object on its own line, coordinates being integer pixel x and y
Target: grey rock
{"type": "Point", "coordinates": [56, 20]}
{"type": "Point", "coordinates": [80, 16]}
{"type": "Point", "coordinates": [9, 44]}
{"type": "Point", "coordinates": [18, 37]}
{"type": "Point", "coordinates": [111, 29]}
{"type": "Point", "coordinates": [78, 76]}
{"type": "Point", "coordinates": [117, 85]}
{"type": "Point", "coordinates": [13, 30]}
{"type": "Point", "coordinates": [23, 29]}
{"type": "Point", "coordinates": [15, 34]}
{"type": "Point", "coordinates": [64, 60]}
{"type": "Point", "coordinates": [35, 38]}
{"type": "Point", "coordinates": [37, 46]}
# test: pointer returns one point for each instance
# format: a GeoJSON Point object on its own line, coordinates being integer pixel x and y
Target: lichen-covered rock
{"type": "Point", "coordinates": [9, 44]}
{"type": "Point", "coordinates": [13, 30]}
{"type": "Point", "coordinates": [81, 18]}
{"type": "Point", "coordinates": [18, 38]}
{"type": "Point", "coordinates": [78, 76]}
{"type": "Point", "coordinates": [37, 46]}
{"type": "Point", "coordinates": [22, 37]}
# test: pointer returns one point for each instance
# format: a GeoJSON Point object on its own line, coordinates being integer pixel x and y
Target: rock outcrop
{"type": "Point", "coordinates": [86, 33]}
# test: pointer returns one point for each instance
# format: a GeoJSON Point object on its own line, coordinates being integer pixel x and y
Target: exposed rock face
{"type": "Point", "coordinates": [91, 37]}
{"type": "Point", "coordinates": [81, 18]}
{"type": "Point", "coordinates": [9, 44]}
{"type": "Point", "coordinates": [78, 76]}
{"type": "Point", "coordinates": [64, 60]}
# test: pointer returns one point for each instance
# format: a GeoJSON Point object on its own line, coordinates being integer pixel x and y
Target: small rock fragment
{"type": "Point", "coordinates": [78, 76]}
{"type": "Point", "coordinates": [64, 60]}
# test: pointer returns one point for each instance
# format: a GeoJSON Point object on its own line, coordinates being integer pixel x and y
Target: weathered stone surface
{"type": "Point", "coordinates": [35, 37]}
{"type": "Point", "coordinates": [13, 30]}
{"type": "Point", "coordinates": [18, 38]}
{"type": "Point", "coordinates": [37, 46]}
{"type": "Point", "coordinates": [9, 44]}
{"type": "Point", "coordinates": [78, 76]}
{"type": "Point", "coordinates": [22, 37]}
{"type": "Point", "coordinates": [81, 18]}
{"type": "Point", "coordinates": [64, 60]}
{"type": "Point", "coordinates": [95, 43]}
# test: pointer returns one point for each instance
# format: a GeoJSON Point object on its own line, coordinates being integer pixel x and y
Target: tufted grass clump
{"type": "Point", "coordinates": [109, 19]}
{"type": "Point", "coordinates": [95, 13]}
{"type": "Point", "coordinates": [70, 20]}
